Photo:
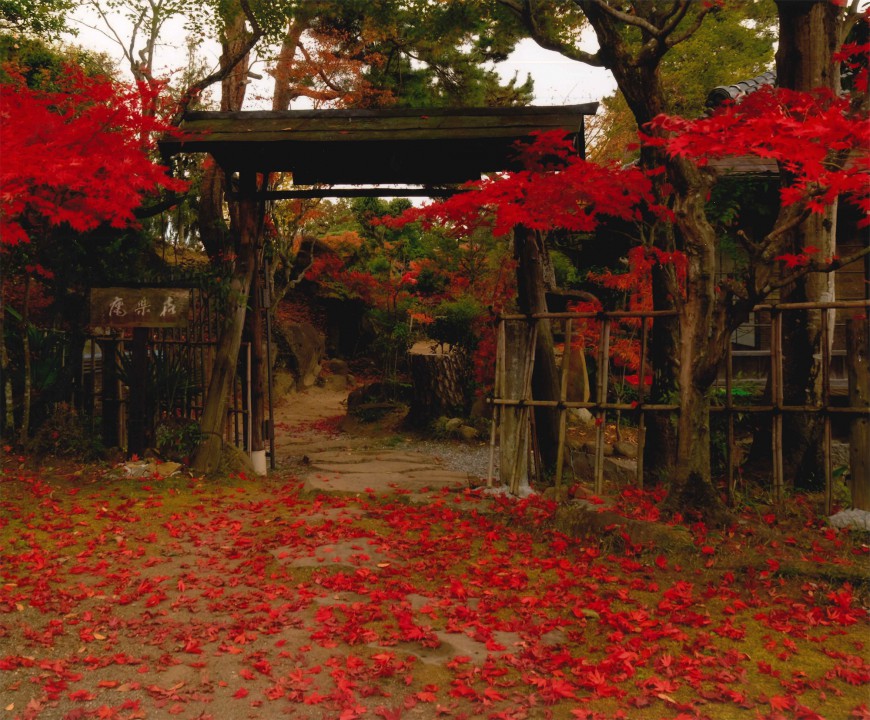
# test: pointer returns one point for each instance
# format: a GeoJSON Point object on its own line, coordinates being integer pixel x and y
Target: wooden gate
{"type": "Point", "coordinates": [139, 378]}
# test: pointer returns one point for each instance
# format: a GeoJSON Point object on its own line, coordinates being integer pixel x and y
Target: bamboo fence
{"type": "Point", "coordinates": [599, 406]}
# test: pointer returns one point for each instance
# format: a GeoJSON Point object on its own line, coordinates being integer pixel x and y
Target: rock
{"type": "Point", "coordinates": [564, 493]}
{"type": "Point", "coordinates": [300, 347]}
{"type": "Point", "coordinates": [335, 382]}
{"type": "Point", "coordinates": [625, 449]}
{"type": "Point", "coordinates": [466, 432]}
{"type": "Point", "coordinates": [234, 461]}
{"type": "Point", "coordinates": [620, 470]}
{"type": "Point", "coordinates": [839, 453]}
{"type": "Point", "coordinates": [283, 384]}
{"type": "Point", "coordinates": [453, 425]}
{"type": "Point", "coordinates": [336, 366]}
{"type": "Point", "coordinates": [590, 445]}
{"type": "Point", "coordinates": [582, 416]}
{"type": "Point", "coordinates": [858, 519]}
{"type": "Point", "coordinates": [150, 468]}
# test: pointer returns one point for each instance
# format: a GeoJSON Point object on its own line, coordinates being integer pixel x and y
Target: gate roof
{"type": "Point", "coordinates": [427, 147]}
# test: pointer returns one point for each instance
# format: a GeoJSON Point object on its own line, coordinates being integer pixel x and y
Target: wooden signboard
{"type": "Point", "coordinates": [139, 307]}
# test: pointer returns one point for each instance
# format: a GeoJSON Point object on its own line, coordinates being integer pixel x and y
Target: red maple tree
{"type": "Point", "coordinates": [76, 156]}
{"type": "Point", "coordinates": [819, 141]}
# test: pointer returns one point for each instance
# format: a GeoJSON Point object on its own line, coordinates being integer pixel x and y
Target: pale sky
{"type": "Point", "coordinates": [558, 80]}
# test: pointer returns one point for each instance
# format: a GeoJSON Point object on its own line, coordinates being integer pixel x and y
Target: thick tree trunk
{"type": "Point", "coordinates": [208, 454]}
{"type": "Point", "coordinates": [532, 262]}
{"type": "Point", "coordinates": [440, 380]}
{"type": "Point", "coordinates": [700, 350]}
{"type": "Point", "coordinates": [809, 33]}
{"type": "Point", "coordinates": [242, 236]}
{"type": "Point", "coordinates": [660, 446]}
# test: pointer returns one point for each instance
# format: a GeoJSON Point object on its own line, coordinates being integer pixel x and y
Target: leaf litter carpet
{"type": "Point", "coordinates": [149, 598]}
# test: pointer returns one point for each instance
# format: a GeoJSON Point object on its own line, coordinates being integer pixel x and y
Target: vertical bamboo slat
{"type": "Point", "coordinates": [563, 413]}
{"type": "Point", "coordinates": [776, 392]}
{"type": "Point", "coordinates": [601, 398]}
{"type": "Point", "coordinates": [497, 392]}
{"type": "Point", "coordinates": [826, 401]}
{"type": "Point", "coordinates": [527, 395]}
{"type": "Point", "coordinates": [641, 389]}
{"type": "Point", "coordinates": [729, 371]}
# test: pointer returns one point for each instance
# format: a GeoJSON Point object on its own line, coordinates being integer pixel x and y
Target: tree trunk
{"type": "Point", "coordinates": [700, 351]}
{"type": "Point", "coordinates": [532, 262]}
{"type": "Point", "coordinates": [809, 35]}
{"type": "Point", "coordinates": [208, 454]}
{"type": "Point", "coordinates": [243, 233]}
{"type": "Point", "coordinates": [440, 380]}
{"type": "Point", "coordinates": [660, 445]}
{"type": "Point", "coordinates": [858, 359]}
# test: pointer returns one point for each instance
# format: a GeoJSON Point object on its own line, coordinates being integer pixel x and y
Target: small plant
{"type": "Point", "coordinates": [65, 434]}
{"type": "Point", "coordinates": [176, 438]}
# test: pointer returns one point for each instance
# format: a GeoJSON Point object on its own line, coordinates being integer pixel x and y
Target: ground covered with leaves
{"type": "Point", "coordinates": [148, 598]}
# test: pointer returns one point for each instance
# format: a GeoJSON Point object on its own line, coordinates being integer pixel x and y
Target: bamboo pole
{"type": "Point", "coordinates": [826, 393]}
{"type": "Point", "coordinates": [729, 408]}
{"type": "Point", "coordinates": [641, 389]}
{"type": "Point", "coordinates": [498, 389]}
{"type": "Point", "coordinates": [601, 421]}
{"type": "Point", "coordinates": [249, 417]}
{"type": "Point", "coordinates": [589, 405]}
{"type": "Point", "coordinates": [563, 412]}
{"type": "Point", "coordinates": [776, 392]}
{"type": "Point", "coordinates": [523, 424]}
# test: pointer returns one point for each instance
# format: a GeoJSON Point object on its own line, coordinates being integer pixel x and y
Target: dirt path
{"type": "Point", "coordinates": [315, 439]}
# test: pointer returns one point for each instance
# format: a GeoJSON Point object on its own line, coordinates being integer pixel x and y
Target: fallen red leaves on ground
{"type": "Point", "coordinates": [147, 599]}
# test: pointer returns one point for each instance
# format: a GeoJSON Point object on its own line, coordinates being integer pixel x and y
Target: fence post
{"type": "Point", "coordinates": [601, 398]}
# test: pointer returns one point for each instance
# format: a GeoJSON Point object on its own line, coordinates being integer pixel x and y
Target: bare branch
{"type": "Point", "coordinates": [822, 267]}
{"type": "Point", "coordinates": [746, 243]}
{"type": "Point", "coordinates": [526, 14]}
{"type": "Point", "coordinates": [196, 88]}
{"type": "Point", "coordinates": [675, 16]}
{"type": "Point", "coordinates": [321, 73]}
{"type": "Point", "coordinates": [773, 240]}
{"type": "Point", "coordinates": [670, 41]}
{"type": "Point", "coordinates": [853, 16]}
{"type": "Point", "coordinates": [169, 201]}
{"type": "Point", "coordinates": [626, 18]}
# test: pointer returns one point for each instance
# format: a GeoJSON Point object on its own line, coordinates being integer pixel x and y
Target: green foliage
{"type": "Point", "coordinates": [177, 438]}
{"type": "Point", "coordinates": [42, 63]}
{"type": "Point", "coordinates": [439, 54]}
{"type": "Point", "coordinates": [731, 45]}
{"type": "Point", "coordinates": [567, 275]}
{"type": "Point", "coordinates": [455, 322]}
{"type": "Point", "coordinates": [45, 18]}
